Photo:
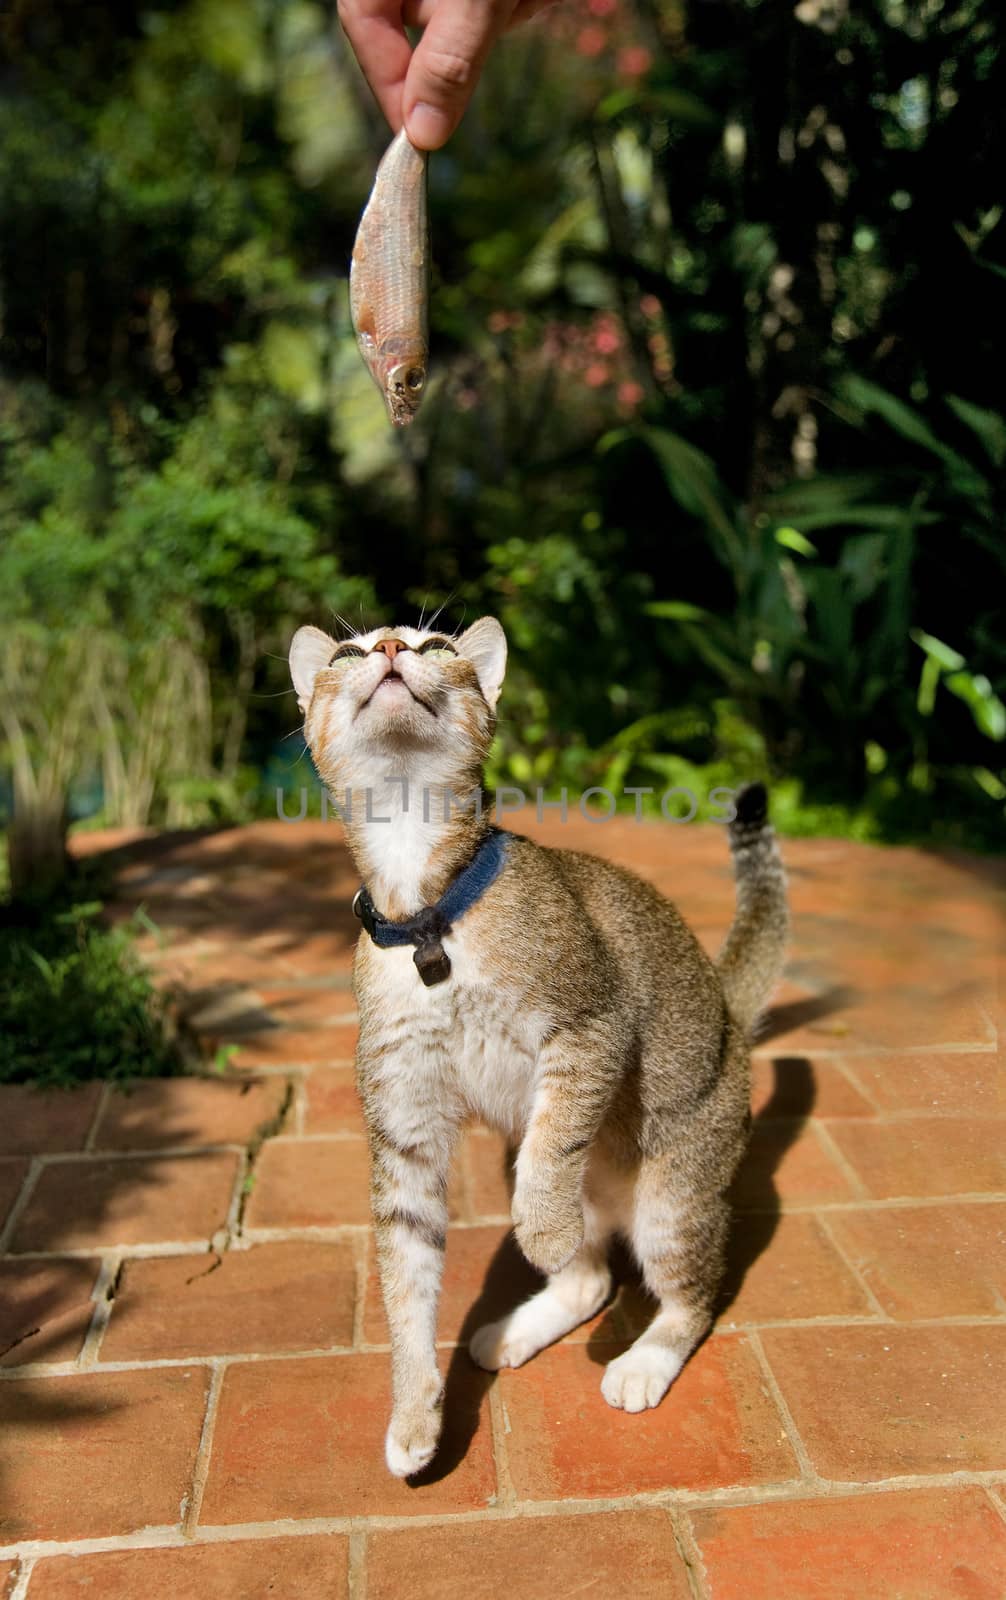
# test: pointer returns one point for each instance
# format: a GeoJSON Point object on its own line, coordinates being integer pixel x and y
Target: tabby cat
{"type": "Point", "coordinates": [553, 995]}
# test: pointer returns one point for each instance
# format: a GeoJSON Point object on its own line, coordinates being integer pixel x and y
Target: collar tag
{"type": "Point", "coordinates": [432, 963]}
{"type": "Point", "coordinates": [429, 927]}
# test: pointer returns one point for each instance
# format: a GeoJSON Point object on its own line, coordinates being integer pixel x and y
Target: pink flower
{"type": "Point", "coordinates": [591, 41]}
{"type": "Point", "coordinates": [633, 61]}
{"type": "Point", "coordinates": [596, 375]}
{"type": "Point", "coordinates": [601, 8]}
{"type": "Point", "coordinates": [630, 394]}
{"type": "Point", "coordinates": [606, 342]}
{"type": "Point", "coordinates": [649, 305]}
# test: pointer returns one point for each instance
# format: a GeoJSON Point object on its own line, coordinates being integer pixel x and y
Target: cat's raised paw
{"type": "Point", "coordinates": [491, 1349]}
{"type": "Point", "coordinates": [552, 1247]}
{"type": "Point", "coordinates": [640, 1378]}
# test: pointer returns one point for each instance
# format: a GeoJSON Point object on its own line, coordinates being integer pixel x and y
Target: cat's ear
{"type": "Point", "coordinates": [484, 645]}
{"type": "Point", "coordinates": [310, 651]}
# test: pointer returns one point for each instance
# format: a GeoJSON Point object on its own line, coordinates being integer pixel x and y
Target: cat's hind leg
{"type": "Point", "coordinates": [678, 1240]}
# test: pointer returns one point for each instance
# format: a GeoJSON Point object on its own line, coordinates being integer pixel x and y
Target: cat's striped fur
{"type": "Point", "coordinates": [581, 1018]}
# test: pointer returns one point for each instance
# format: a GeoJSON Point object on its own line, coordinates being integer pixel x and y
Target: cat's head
{"type": "Point", "coordinates": [398, 692]}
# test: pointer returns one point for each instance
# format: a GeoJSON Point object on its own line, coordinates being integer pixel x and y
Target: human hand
{"type": "Point", "coordinates": [428, 88]}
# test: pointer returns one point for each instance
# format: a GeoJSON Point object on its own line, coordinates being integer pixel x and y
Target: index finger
{"type": "Point", "coordinates": [376, 33]}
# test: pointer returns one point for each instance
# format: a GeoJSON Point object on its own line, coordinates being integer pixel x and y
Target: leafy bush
{"type": "Point", "coordinates": [77, 1001]}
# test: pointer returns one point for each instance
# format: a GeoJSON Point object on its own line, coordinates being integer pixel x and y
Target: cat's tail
{"type": "Point", "coordinates": [751, 959]}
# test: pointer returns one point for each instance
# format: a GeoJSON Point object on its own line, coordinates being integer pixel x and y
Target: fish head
{"type": "Point", "coordinates": [398, 367]}
{"type": "Point", "coordinates": [401, 376]}
{"type": "Point", "coordinates": [403, 389]}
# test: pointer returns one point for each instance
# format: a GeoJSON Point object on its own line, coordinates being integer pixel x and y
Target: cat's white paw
{"type": "Point", "coordinates": [406, 1458]}
{"type": "Point", "coordinates": [492, 1347]}
{"type": "Point", "coordinates": [640, 1378]}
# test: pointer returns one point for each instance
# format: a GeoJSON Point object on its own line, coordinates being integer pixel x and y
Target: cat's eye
{"type": "Point", "coordinates": [436, 647]}
{"type": "Point", "coordinates": [344, 652]}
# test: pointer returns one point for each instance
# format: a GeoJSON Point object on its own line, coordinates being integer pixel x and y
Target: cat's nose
{"type": "Point", "coordinates": [390, 647]}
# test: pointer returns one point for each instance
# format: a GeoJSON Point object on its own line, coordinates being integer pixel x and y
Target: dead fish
{"type": "Point", "coordinates": [389, 279]}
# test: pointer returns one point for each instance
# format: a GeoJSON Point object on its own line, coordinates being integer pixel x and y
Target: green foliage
{"type": "Point", "coordinates": [818, 642]}
{"type": "Point", "coordinates": [76, 1000]}
{"type": "Point", "coordinates": [714, 421]}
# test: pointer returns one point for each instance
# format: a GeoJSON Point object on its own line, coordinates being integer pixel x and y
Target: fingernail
{"type": "Point", "coordinates": [428, 127]}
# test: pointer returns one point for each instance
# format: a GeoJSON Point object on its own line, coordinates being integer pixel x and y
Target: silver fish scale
{"type": "Point", "coordinates": [389, 272]}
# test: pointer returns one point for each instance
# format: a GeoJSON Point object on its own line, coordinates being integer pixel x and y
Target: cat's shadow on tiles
{"type": "Point", "coordinates": [509, 1279]}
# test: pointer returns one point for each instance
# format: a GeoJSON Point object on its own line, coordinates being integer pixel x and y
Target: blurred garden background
{"type": "Point", "coordinates": [716, 426]}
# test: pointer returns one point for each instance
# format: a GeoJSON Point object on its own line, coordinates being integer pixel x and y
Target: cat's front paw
{"type": "Point", "coordinates": [548, 1237]}
{"type": "Point", "coordinates": [411, 1441]}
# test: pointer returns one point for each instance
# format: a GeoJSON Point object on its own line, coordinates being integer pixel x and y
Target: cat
{"type": "Point", "coordinates": [562, 1000]}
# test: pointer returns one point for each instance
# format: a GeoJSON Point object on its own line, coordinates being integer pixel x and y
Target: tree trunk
{"type": "Point", "coordinates": [36, 846]}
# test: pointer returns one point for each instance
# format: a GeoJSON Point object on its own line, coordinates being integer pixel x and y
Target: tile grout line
{"type": "Point", "coordinates": [844, 1255]}
{"type": "Point", "coordinates": [337, 1136]}
{"type": "Point", "coordinates": [794, 1491]}
{"type": "Point", "coordinates": [168, 1152]}
{"type": "Point", "coordinates": [356, 1564]}
{"type": "Point", "coordinates": [689, 1552]}
{"type": "Point", "coordinates": [785, 1415]}
{"type": "Point", "coordinates": [875, 1203]}
{"type": "Point", "coordinates": [871, 1118]}
{"type": "Point", "coordinates": [20, 1205]}
{"type": "Point", "coordinates": [21, 1582]}
{"type": "Point", "coordinates": [734, 1330]}
{"type": "Point", "coordinates": [201, 1465]}
{"type": "Point", "coordinates": [978, 1047]}
{"type": "Point", "coordinates": [1000, 1505]}
{"type": "Point", "coordinates": [842, 1063]}
{"type": "Point", "coordinates": [274, 1069]}
{"type": "Point", "coordinates": [163, 1248]}
{"type": "Point", "coordinates": [98, 1118]}
{"type": "Point", "coordinates": [840, 1160]}
{"type": "Point", "coordinates": [335, 1232]}
{"type": "Point", "coordinates": [103, 1295]}
{"type": "Point", "coordinates": [899, 1116]}
{"type": "Point", "coordinates": [990, 1024]}
{"type": "Point", "coordinates": [499, 1423]}
{"type": "Point", "coordinates": [222, 1237]}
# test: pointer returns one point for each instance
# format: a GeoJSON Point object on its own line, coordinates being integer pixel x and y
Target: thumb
{"type": "Point", "coordinates": [446, 65]}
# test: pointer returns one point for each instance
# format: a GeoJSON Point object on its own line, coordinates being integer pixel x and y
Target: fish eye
{"type": "Point", "coordinates": [415, 379]}
{"type": "Point", "coordinates": [344, 652]}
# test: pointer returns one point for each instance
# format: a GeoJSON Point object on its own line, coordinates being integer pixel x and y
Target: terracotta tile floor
{"type": "Point", "coordinates": [193, 1367]}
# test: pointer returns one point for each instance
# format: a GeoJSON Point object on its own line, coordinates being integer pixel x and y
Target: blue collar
{"type": "Point", "coordinates": [429, 927]}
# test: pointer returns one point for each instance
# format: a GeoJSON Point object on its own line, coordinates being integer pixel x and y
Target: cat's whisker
{"type": "Point", "coordinates": [345, 624]}
{"type": "Point", "coordinates": [443, 605]}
